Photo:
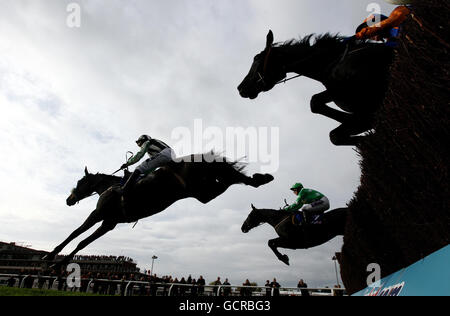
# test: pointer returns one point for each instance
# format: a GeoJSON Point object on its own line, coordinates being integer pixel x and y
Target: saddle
{"type": "Point", "coordinates": [125, 205]}
{"type": "Point", "coordinates": [299, 219]}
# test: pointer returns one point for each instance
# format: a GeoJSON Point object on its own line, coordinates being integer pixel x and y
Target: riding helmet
{"type": "Point", "coordinates": [143, 139]}
{"type": "Point", "coordinates": [365, 24]}
{"type": "Point", "coordinates": [297, 186]}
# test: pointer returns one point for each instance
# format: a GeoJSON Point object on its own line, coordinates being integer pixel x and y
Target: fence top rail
{"type": "Point", "coordinates": [179, 284]}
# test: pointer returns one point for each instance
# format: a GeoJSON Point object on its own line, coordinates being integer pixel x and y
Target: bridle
{"type": "Point", "coordinates": [262, 223]}
{"type": "Point", "coordinates": [77, 197]}
{"type": "Point", "coordinates": [248, 222]}
{"type": "Point", "coordinates": [266, 62]}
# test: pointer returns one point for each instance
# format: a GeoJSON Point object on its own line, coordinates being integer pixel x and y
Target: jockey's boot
{"type": "Point", "coordinates": [128, 186]}
{"type": "Point", "coordinates": [312, 217]}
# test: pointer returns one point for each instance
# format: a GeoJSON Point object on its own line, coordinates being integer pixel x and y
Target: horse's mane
{"type": "Point", "coordinates": [326, 40]}
{"type": "Point", "coordinates": [238, 165]}
{"type": "Point", "coordinates": [103, 175]}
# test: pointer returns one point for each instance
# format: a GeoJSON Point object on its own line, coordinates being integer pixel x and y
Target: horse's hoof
{"type": "Point", "coordinates": [269, 177]}
{"type": "Point", "coordinates": [285, 259]}
{"type": "Point", "coordinates": [263, 178]}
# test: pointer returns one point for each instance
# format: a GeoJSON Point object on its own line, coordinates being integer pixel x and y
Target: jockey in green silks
{"type": "Point", "coordinates": [309, 203]}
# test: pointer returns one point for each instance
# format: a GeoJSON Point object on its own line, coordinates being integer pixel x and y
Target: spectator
{"type": "Point", "coordinates": [338, 291]}
{"type": "Point", "coordinates": [216, 284]}
{"type": "Point", "coordinates": [166, 280]}
{"type": "Point", "coordinates": [226, 289]}
{"type": "Point", "coordinates": [201, 285]}
{"type": "Point", "coordinates": [131, 286]}
{"type": "Point", "coordinates": [41, 281]}
{"type": "Point", "coordinates": [123, 284]}
{"type": "Point", "coordinates": [21, 276]}
{"type": "Point", "coordinates": [268, 288]}
{"type": "Point", "coordinates": [194, 288]}
{"type": "Point", "coordinates": [244, 290]}
{"type": "Point", "coordinates": [97, 284]}
{"type": "Point", "coordinates": [85, 279]}
{"type": "Point", "coordinates": [60, 281]}
{"type": "Point", "coordinates": [303, 286]}
{"type": "Point", "coordinates": [113, 285]}
{"type": "Point", "coordinates": [64, 280]}
{"type": "Point", "coordinates": [276, 287]}
{"type": "Point", "coordinates": [11, 282]}
{"type": "Point", "coordinates": [183, 287]}
{"type": "Point", "coordinates": [142, 289]}
{"type": "Point", "coordinates": [175, 291]}
{"type": "Point", "coordinates": [153, 285]}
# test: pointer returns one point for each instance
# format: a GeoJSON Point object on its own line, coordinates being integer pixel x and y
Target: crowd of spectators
{"type": "Point", "coordinates": [150, 285]}
{"type": "Point", "coordinates": [103, 258]}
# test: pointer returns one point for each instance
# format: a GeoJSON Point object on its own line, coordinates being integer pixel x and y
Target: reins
{"type": "Point", "coordinates": [286, 80]}
{"type": "Point", "coordinates": [282, 221]}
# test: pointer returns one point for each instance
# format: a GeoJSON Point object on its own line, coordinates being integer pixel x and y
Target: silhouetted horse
{"type": "Point", "coordinates": [91, 184]}
{"type": "Point", "coordinates": [292, 236]}
{"type": "Point", "coordinates": [355, 74]}
{"type": "Point", "coordinates": [205, 177]}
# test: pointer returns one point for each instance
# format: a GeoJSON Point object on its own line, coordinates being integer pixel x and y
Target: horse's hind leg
{"type": "Point", "coordinates": [274, 244]}
{"type": "Point", "coordinates": [93, 219]}
{"type": "Point", "coordinates": [259, 179]}
{"type": "Point", "coordinates": [102, 230]}
{"type": "Point", "coordinates": [346, 134]}
{"type": "Point", "coordinates": [255, 181]}
{"type": "Point", "coordinates": [319, 106]}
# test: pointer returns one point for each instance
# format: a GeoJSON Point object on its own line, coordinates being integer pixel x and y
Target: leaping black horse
{"type": "Point", "coordinates": [203, 177]}
{"type": "Point", "coordinates": [292, 236]}
{"type": "Point", "coordinates": [355, 74]}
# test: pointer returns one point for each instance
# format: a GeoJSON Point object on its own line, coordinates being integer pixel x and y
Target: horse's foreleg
{"type": "Point", "coordinates": [274, 244]}
{"type": "Point", "coordinates": [93, 219]}
{"type": "Point", "coordinates": [102, 230]}
{"type": "Point", "coordinates": [319, 106]}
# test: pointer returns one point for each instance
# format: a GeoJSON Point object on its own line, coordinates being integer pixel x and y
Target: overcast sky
{"type": "Point", "coordinates": [76, 97]}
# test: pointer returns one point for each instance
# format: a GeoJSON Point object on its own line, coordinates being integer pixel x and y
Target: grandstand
{"type": "Point", "coordinates": [15, 259]}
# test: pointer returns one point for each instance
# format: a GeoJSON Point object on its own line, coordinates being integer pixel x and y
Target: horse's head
{"type": "Point", "coordinates": [252, 221]}
{"type": "Point", "coordinates": [264, 74]}
{"type": "Point", "coordinates": [85, 188]}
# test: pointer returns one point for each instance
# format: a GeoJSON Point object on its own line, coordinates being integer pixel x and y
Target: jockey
{"type": "Point", "coordinates": [309, 202]}
{"type": "Point", "coordinates": [160, 155]}
{"type": "Point", "coordinates": [388, 29]}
